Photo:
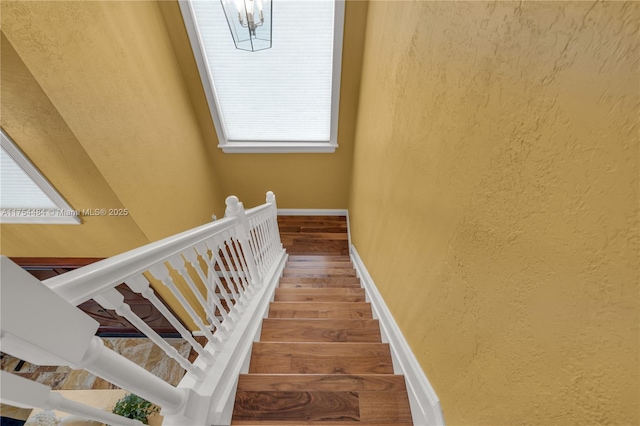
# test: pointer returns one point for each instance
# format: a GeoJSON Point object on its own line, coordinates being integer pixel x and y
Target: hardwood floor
{"type": "Point", "coordinates": [320, 359]}
{"type": "Point", "coordinates": [314, 235]}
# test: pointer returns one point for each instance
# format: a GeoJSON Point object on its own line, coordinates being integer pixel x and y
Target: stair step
{"type": "Point", "coordinates": [319, 258]}
{"type": "Point", "coordinates": [320, 280]}
{"type": "Point", "coordinates": [320, 358]}
{"type": "Point", "coordinates": [321, 382]}
{"type": "Point", "coordinates": [318, 285]}
{"type": "Point", "coordinates": [343, 310]}
{"type": "Point", "coordinates": [308, 423]}
{"type": "Point", "coordinates": [319, 272]}
{"type": "Point", "coordinates": [297, 406]}
{"type": "Point", "coordinates": [318, 265]}
{"type": "Point", "coordinates": [337, 407]}
{"type": "Point", "coordinates": [311, 221]}
{"type": "Point", "coordinates": [320, 295]}
{"type": "Point", "coordinates": [320, 330]}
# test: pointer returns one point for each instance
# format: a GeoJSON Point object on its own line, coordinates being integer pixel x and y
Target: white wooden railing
{"type": "Point", "coordinates": [230, 268]}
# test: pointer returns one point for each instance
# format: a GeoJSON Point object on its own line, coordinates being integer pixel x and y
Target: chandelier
{"type": "Point", "coordinates": [249, 22]}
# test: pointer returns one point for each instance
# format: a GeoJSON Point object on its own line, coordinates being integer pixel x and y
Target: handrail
{"type": "Point", "coordinates": [252, 212]}
{"type": "Point", "coordinates": [79, 285]}
{"type": "Point", "coordinates": [222, 274]}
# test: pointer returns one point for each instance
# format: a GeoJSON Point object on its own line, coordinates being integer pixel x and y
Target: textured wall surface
{"type": "Point", "coordinates": [110, 72]}
{"type": "Point", "coordinates": [495, 202]}
{"type": "Point", "coordinates": [298, 180]}
{"type": "Point", "coordinates": [29, 116]}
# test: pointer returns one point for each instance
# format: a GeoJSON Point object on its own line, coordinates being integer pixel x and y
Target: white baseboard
{"type": "Point", "coordinates": [425, 405]}
{"type": "Point", "coordinates": [312, 212]}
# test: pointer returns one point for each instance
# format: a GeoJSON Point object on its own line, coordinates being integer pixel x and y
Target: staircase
{"type": "Point", "coordinates": [320, 358]}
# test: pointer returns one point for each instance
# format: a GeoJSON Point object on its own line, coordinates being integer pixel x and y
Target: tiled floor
{"type": "Point", "coordinates": [139, 350]}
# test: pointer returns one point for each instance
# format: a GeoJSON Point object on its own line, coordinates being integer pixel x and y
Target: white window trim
{"type": "Point", "coordinates": [61, 215]}
{"type": "Point", "coordinates": [259, 147]}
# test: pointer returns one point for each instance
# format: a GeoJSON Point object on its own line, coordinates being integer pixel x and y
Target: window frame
{"type": "Point", "coordinates": [262, 147]}
{"type": "Point", "coordinates": [38, 178]}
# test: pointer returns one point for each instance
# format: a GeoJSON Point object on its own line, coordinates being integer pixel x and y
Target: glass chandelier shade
{"type": "Point", "coordinates": [249, 22]}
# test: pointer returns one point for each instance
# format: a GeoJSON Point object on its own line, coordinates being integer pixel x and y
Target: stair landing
{"type": "Point", "coordinates": [320, 359]}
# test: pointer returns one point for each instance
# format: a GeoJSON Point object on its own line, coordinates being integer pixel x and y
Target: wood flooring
{"type": "Point", "coordinates": [315, 235]}
{"type": "Point", "coordinates": [320, 359]}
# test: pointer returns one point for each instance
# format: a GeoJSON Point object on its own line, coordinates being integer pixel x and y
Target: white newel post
{"type": "Point", "coordinates": [67, 337]}
{"type": "Point", "coordinates": [271, 199]}
{"type": "Point", "coordinates": [236, 209]}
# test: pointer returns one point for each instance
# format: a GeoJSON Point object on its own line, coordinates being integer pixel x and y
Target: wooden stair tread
{"type": "Point", "coordinates": [315, 229]}
{"type": "Point", "coordinates": [344, 310]}
{"type": "Point", "coordinates": [335, 280]}
{"type": "Point", "coordinates": [300, 295]}
{"type": "Point", "coordinates": [320, 272]}
{"type": "Point", "coordinates": [293, 264]}
{"type": "Point", "coordinates": [323, 406]}
{"type": "Point", "coordinates": [297, 405]}
{"type": "Point", "coordinates": [319, 258]}
{"type": "Point", "coordinates": [323, 280]}
{"type": "Point", "coordinates": [331, 233]}
{"type": "Point", "coordinates": [337, 291]}
{"type": "Point", "coordinates": [321, 349]}
{"type": "Point", "coordinates": [321, 423]}
{"type": "Point", "coordinates": [318, 298]}
{"type": "Point", "coordinates": [307, 221]}
{"type": "Point", "coordinates": [320, 358]}
{"type": "Point", "coordinates": [322, 382]}
{"type": "Point", "coordinates": [319, 285]}
{"type": "Point", "coordinates": [320, 330]}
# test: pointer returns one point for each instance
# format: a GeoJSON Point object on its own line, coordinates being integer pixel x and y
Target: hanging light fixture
{"type": "Point", "coordinates": [249, 22]}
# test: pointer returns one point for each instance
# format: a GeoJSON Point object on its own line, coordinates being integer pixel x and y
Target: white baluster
{"type": "Point", "coordinates": [256, 246]}
{"type": "Point", "coordinates": [113, 299]}
{"type": "Point", "coordinates": [239, 258]}
{"type": "Point", "coordinates": [140, 285]}
{"type": "Point", "coordinates": [192, 257]}
{"type": "Point", "coordinates": [210, 246]}
{"type": "Point", "coordinates": [239, 267]}
{"type": "Point", "coordinates": [252, 250]}
{"type": "Point", "coordinates": [263, 242]}
{"type": "Point", "coordinates": [232, 269]}
{"type": "Point", "coordinates": [236, 209]}
{"type": "Point", "coordinates": [178, 264]}
{"type": "Point", "coordinates": [25, 336]}
{"type": "Point", "coordinates": [215, 250]}
{"type": "Point", "coordinates": [161, 273]}
{"type": "Point", "coordinates": [269, 234]}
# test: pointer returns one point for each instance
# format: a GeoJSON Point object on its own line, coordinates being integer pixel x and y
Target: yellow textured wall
{"type": "Point", "coordinates": [109, 77]}
{"type": "Point", "coordinates": [298, 180]}
{"type": "Point", "coordinates": [495, 202]}
{"type": "Point", "coordinates": [29, 117]}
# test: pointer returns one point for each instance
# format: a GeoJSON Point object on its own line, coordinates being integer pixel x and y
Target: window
{"type": "Point", "coordinates": [282, 99]}
{"type": "Point", "coordinates": [25, 195]}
